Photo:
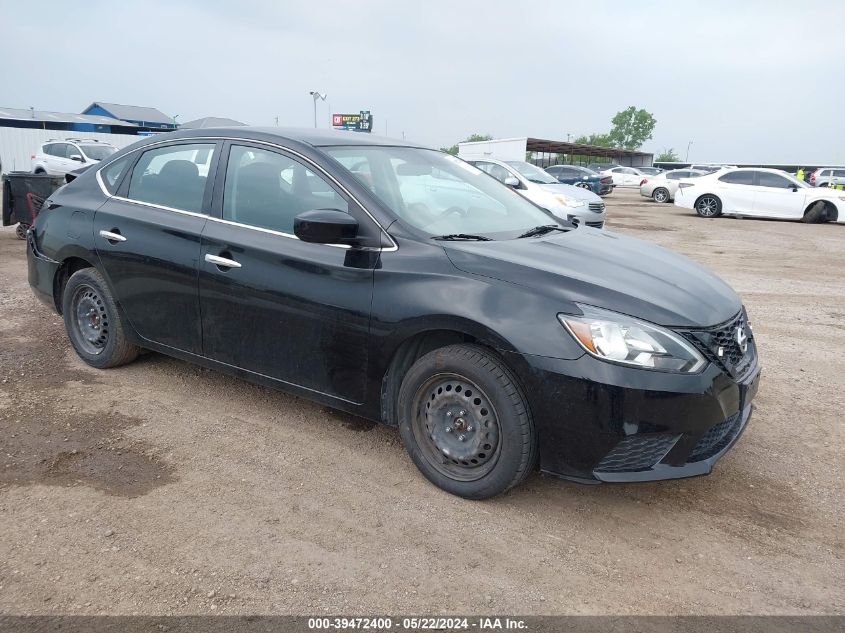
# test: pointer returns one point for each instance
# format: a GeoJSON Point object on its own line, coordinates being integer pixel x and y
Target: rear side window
{"type": "Point", "coordinates": [676, 175]}
{"type": "Point", "coordinates": [173, 176]}
{"type": "Point", "coordinates": [112, 174]}
{"type": "Point", "coordinates": [839, 173]}
{"type": "Point", "coordinates": [738, 178]}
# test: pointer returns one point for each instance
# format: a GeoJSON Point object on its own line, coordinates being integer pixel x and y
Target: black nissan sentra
{"type": "Point", "coordinates": [401, 284]}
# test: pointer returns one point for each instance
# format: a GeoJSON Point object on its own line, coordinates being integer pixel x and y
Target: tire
{"type": "Point", "coordinates": [39, 171]}
{"type": "Point", "coordinates": [661, 194]}
{"type": "Point", "coordinates": [20, 231]}
{"type": "Point", "coordinates": [465, 422]}
{"type": "Point", "coordinates": [708, 206]}
{"type": "Point", "coordinates": [584, 185]}
{"type": "Point", "coordinates": [92, 321]}
{"type": "Point", "coordinates": [816, 213]}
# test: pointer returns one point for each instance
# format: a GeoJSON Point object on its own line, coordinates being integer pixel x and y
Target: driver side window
{"type": "Point", "coordinates": [268, 190]}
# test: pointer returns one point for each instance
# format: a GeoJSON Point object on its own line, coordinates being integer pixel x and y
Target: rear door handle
{"type": "Point", "coordinates": [221, 261]}
{"type": "Point", "coordinates": [112, 237]}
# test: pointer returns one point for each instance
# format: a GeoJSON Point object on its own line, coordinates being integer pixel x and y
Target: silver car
{"type": "Point", "coordinates": [564, 201]}
{"type": "Point", "coordinates": [662, 188]}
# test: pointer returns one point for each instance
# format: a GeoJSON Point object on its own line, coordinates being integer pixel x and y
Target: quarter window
{"type": "Point", "coordinates": [112, 174]}
{"type": "Point", "coordinates": [268, 190]}
{"type": "Point", "coordinates": [497, 171]}
{"type": "Point", "coordinates": [173, 176]}
{"type": "Point", "coordinates": [738, 178]}
{"type": "Point", "coordinates": [676, 175]}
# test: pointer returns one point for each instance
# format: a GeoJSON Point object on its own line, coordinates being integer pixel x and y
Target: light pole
{"type": "Point", "coordinates": [316, 95]}
{"type": "Point", "coordinates": [686, 160]}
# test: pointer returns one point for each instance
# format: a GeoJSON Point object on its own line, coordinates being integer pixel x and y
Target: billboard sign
{"type": "Point", "coordinates": [362, 122]}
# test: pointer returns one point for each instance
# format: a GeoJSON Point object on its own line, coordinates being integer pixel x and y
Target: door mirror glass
{"type": "Point", "coordinates": [325, 226]}
{"type": "Point", "coordinates": [511, 181]}
{"type": "Point", "coordinates": [76, 157]}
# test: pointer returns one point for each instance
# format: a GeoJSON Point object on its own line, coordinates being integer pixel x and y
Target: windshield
{"type": "Point", "coordinates": [532, 173]}
{"type": "Point", "coordinates": [440, 194]}
{"type": "Point", "coordinates": [98, 152]}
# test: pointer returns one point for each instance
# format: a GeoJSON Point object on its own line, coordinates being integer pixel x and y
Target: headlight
{"type": "Point", "coordinates": [622, 339]}
{"type": "Point", "coordinates": [569, 202]}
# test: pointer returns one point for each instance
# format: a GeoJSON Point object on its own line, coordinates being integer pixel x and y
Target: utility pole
{"type": "Point", "coordinates": [686, 160]}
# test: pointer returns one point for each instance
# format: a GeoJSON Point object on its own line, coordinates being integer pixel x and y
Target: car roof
{"type": "Point", "coordinates": [308, 136]}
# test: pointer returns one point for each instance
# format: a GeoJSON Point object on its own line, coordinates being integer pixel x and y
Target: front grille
{"type": "Point", "coordinates": [595, 225]}
{"type": "Point", "coordinates": [597, 207]}
{"type": "Point", "coordinates": [637, 452]}
{"type": "Point", "coordinates": [716, 438]}
{"type": "Point", "coordinates": [732, 359]}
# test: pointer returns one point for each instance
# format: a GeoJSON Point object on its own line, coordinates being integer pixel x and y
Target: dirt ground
{"type": "Point", "coordinates": [163, 488]}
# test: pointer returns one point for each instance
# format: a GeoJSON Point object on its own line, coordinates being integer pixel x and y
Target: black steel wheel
{"type": "Point", "coordinates": [465, 423]}
{"type": "Point", "coordinates": [708, 206]}
{"type": "Point", "coordinates": [661, 194]}
{"type": "Point", "coordinates": [93, 323]}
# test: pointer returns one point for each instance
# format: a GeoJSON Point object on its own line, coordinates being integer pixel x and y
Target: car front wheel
{"type": "Point", "coordinates": [465, 422]}
{"type": "Point", "coordinates": [92, 321]}
{"type": "Point", "coordinates": [708, 206]}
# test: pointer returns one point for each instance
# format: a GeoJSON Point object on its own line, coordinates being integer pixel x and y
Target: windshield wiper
{"type": "Point", "coordinates": [461, 236]}
{"type": "Point", "coordinates": [542, 230]}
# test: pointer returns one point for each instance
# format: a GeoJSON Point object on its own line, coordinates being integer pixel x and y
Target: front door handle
{"type": "Point", "coordinates": [112, 237]}
{"type": "Point", "coordinates": [221, 261]}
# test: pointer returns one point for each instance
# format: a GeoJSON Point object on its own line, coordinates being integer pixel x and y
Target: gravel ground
{"type": "Point", "coordinates": [163, 488]}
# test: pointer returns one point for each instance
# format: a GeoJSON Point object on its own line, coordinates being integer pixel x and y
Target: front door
{"type": "Point", "coordinates": [777, 197]}
{"type": "Point", "coordinates": [148, 241]}
{"type": "Point", "coordinates": [270, 303]}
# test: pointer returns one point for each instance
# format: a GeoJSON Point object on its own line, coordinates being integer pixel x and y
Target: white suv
{"type": "Point", "coordinates": [828, 177]}
{"type": "Point", "coordinates": [58, 157]}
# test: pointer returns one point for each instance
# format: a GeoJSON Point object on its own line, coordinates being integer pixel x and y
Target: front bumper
{"type": "Point", "coordinates": [41, 272]}
{"type": "Point", "coordinates": [600, 422]}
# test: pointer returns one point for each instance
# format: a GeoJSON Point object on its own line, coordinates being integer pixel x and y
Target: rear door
{"type": "Point", "coordinates": [148, 240]}
{"type": "Point", "coordinates": [272, 304]}
{"type": "Point", "coordinates": [736, 190]}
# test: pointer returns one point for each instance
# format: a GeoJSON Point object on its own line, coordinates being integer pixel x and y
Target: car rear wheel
{"type": "Point", "coordinates": [20, 231]}
{"type": "Point", "coordinates": [661, 194]}
{"type": "Point", "coordinates": [708, 206]}
{"type": "Point", "coordinates": [465, 422]}
{"type": "Point", "coordinates": [92, 321]}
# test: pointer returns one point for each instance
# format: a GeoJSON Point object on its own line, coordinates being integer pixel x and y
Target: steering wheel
{"type": "Point", "coordinates": [452, 210]}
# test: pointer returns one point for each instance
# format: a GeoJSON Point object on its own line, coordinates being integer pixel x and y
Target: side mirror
{"type": "Point", "coordinates": [794, 187]}
{"type": "Point", "coordinates": [512, 181]}
{"type": "Point", "coordinates": [76, 157]}
{"type": "Point", "coordinates": [325, 226]}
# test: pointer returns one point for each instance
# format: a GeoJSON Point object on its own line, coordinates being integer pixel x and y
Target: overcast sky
{"type": "Point", "coordinates": [745, 81]}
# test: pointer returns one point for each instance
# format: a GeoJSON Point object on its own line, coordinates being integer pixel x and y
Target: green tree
{"type": "Point", "coordinates": [632, 128]}
{"type": "Point", "coordinates": [472, 138]}
{"type": "Point", "coordinates": [600, 140]}
{"type": "Point", "coordinates": [668, 156]}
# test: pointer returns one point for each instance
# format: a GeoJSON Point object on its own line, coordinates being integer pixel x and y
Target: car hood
{"type": "Point", "coordinates": [607, 270]}
{"type": "Point", "coordinates": [579, 193]}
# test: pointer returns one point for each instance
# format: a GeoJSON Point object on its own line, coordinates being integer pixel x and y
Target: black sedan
{"type": "Point", "coordinates": [582, 177]}
{"type": "Point", "coordinates": [404, 285]}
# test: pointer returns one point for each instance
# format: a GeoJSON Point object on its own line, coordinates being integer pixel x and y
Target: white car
{"type": "Point", "coordinates": [662, 188]}
{"type": "Point", "coordinates": [58, 157]}
{"type": "Point", "coordinates": [763, 193]}
{"type": "Point", "coordinates": [625, 176]}
{"type": "Point", "coordinates": [564, 201]}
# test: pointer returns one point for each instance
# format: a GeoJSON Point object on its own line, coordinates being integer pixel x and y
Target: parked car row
{"type": "Point", "coordinates": [662, 188]}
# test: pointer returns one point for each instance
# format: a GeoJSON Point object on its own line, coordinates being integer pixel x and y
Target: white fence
{"type": "Point", "coordinates": [17, 144]}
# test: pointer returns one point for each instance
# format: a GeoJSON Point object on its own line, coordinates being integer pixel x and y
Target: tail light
{"type": "Point", "coordinates": [684, 185]}
{"type": "Point", "coordinates": [32, 157]}
{"type": "Point", "coordinates": [643, 181]}
{"type": "Point", "coordinates": [606, 180]}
